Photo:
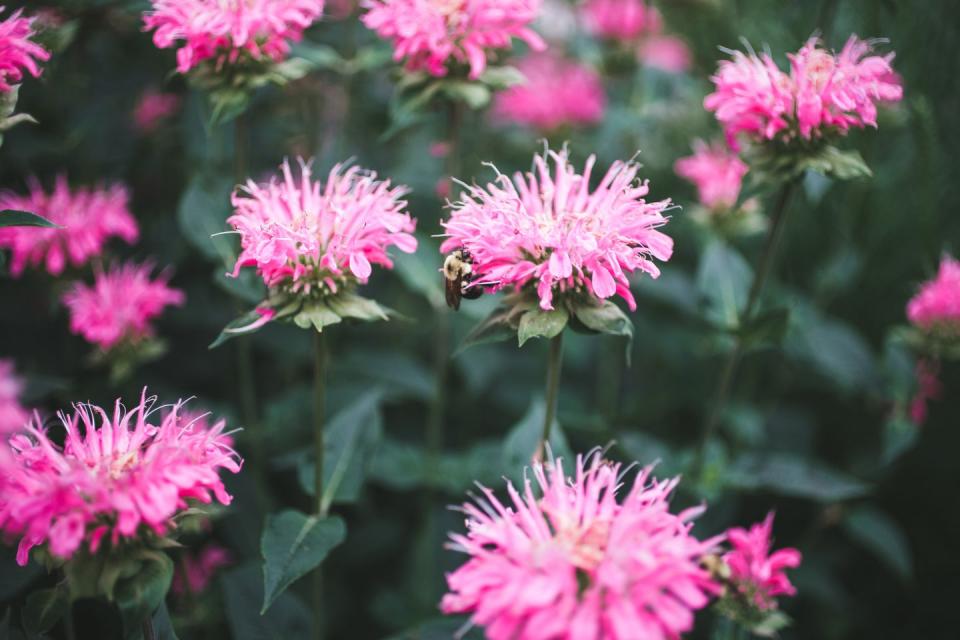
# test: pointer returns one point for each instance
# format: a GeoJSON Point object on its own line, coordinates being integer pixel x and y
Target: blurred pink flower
{"type": "Point", "coordinates": [18, 54]}
{"type": "Point", "coordinates": [623, 20]}
{"type": "Point", "coordinates": [716, 172]}
{"type": "Point", "coordinates": [129, 470]}
{"type": "Point", "coordinates": [197, 570]}
{"type": "Point", "coordinates": [552, 231]}
{"type": "Point", "coordinates": [89, 217]}
{"type": "Point", "coordinates": [929, 388]}
{"type": "Point", "coordinates": [152, 108]}
{"type": "Point", "coordinates": [667, 53]}
{"type": "Point", "coordinates": [557, 92]}
{"type": "Point", "coordinates": [936, 307]}
{"type": "Point", "coordinates": [225, 30]}
{"type": "Point", "coordinates": [757, 573]}
{"type": "Point", "coordinates": [302, 234]}
{"type": "Point", "coordinates": [433, 34]}
{"type": "Point", "coordinates": [120, 305]}
{"type": "Point", "coordinates": [13, 415]}
{"type": "Point", "coordinates": [574, 563]}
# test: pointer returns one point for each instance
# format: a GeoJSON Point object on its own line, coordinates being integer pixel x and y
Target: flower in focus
{"type": "Point", "coordinates": [928, 388]}
{"type": "Point", "coordinates": [89, 217]}
{"type": "Point", "coordinates": [623, 20]}
{"type": "Point", "coordinates": [757, 573]}
{"type": "Point", "coordinates": [310, 238]}
{"type": "Point", "coordinates": [196, 571]}
{"type": "Point", "coordinates": [13, 415]}
{"type": "Point", "coordinates": [547, 229]}
{"type": "Point", "coordinates": [115, 472]}
{"type": "Point", "coordinates": [18, 54]}
{"type": "Point", "coordinates": [433, 34]}
{"type": "Point", "coordinates": [120, 305]}
{"type": "Point", "coordinates": [152, 108]}
{"type": "Point", "coordinates": [716, 172]}
{"type": "Point", "coordinates": [226, 30]}
{"type": "Point", "coordinates": [667, 53]}
{"type": "Point", "coordinates": [573, 562]}
{"type": "Point", "coordinates": [556, 93]}
{"type": "Point", "coordinates": [936, 307]}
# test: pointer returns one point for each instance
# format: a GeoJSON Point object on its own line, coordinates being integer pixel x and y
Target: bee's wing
{"type": "Point", "coordinates": [453, 291]}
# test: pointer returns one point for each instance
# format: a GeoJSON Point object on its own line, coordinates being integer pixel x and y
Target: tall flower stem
{"type": "Point", "coordinates": [554, 364]}
{"type": "Point", "coordinates": [319, 411]}
{"type": "Point", "coordinates": [147, 627]}
{"type": "Point", "coordinates": [728, 373]}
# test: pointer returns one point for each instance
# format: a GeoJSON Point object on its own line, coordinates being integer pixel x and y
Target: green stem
{"type": "Point", "coordinates": [148, 632]}
{"type": "Point", "coordinates": [554, 364]}
{"type": "Point", "coordinates": [319, 411]}
{"type": "Point", "coordinates": [728, 373]}
{"type": "Point", "coordinates": [68, 628]}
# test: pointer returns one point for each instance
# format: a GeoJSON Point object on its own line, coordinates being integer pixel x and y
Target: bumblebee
{"type": "Point", "coordinates": [457, 277]}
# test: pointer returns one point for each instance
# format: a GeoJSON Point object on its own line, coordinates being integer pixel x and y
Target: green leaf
{"type": "Point", "coordinates": [139, 595]}
{"type": "Point", "coordinates": [162, 625]}
{"type": "Point", "coordinates": [502, 77]}
{"type": "Point", "coordinates": [724, 280]}
{"type": "Point", "coordinates": [792, 475]}
{"type": "Point", "coordinates": [287, 619]}
{"type": "Point", "coordinates": [772, 623]}
{"type": "Point", "coordinates": [608, 318]}
{"type": "Point", "coordinates": [538, 323]}
{"type": "Point", "coordinates": [769, 327]}
{"type": "Point", "coordinates": [316, 314]}
{"type": "Point", "coordinates": [350, 305]}
{"type": "Point", "coordinates": [293, 544]}
{"type": "Point", "coordinates": [202, 215]}
{"type": "Point", "coordinates": [843, 165]}
{"type": "Point", "coordinates": [249, 322]}
{"type": "Point", "coordinates": [523, 440]}
{"type": "Point", "coordinates": [247, 286]}
{"type": "Point", "coordinates": [833, 348]}
{"type": "Point", "coordinates": [502, 323]}
{"type": "Point", "coordinates": [899, 436]}
{"type": "Point", "coordinates": [44, 608]}
{"type": "Point", "coordinates": [881, 535]}
{"type": "Point", "coordinates": [474, 94]}
{"type": "Point", "coordinates": [14, 218]}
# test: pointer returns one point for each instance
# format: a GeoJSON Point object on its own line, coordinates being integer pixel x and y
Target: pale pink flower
{"type": "Point", "coordinates": [13, 415]}
{"type": "Point", "coordinates": [120, 306]}
{"type": "Point", "coordinates": [667, 53]}
{"type": "Point", "coordinates": [756, 572]}
{"type": "Point", "coordinates": [303, 234]}
{"type": "Point", "coordinates": [936, 307]}
{"type": "Point", "coordinates": [432, 35]}
{"type": "Point", "coordinates": [623, 20]}
{"type": "Point", "coordinates": [716, 172]}
{"type": "Point", "coordinates": [557, 92]}
{"type": "Point", "coordinates": [225, 30]}
{"type": "Point", "coordinates": [567, 561]}
{"type": "Point", "coordinates": [18, 54]}
{"type": "Point", "coordinates": [548, 230]}
{"type": "Point", "coordinates": [929, 388]}
{"type": "Point", "coordinates": [153, 108]}
{"type": "Point", "coordinates": [89, 217]}
{"type": "Point", "coordinates": [115, 473]}
{"type": "Point", "coordinates": [194, 573]}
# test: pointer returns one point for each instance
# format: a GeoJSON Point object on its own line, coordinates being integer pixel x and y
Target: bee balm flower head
{"type": "Point", "coordinates": [936, 307]}
{"type": "Point", "coordinates": [566, 559]}
{"type": "Point", "coordinates": [716, 172]}
{"type": "Point", "coordinates": [117, 474]}
{"type": "Point", "coordinates": [548, 230]}
{"type": "Point", "coordinates": [13, 415]}
{"type": "Point", "coordinates": [18, 54]}
{"type": "Point", "coordinates": [757, 573]}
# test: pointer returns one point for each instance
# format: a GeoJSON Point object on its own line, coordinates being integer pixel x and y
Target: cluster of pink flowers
{"type": "Point", "coordinates": [307, 235]}
{"type": "Point", "coordinates": [575, 563]}
{"type": "Point", "coordinates": [557, 92]}
{"type": "Point", "coordinates": [153, 108]}
{"type": "Point", "coordinates": [225, 30]}
{"type": "Point", "coordinates": [822, 93]}
{"type": "Point", "coordinates": [548, 228]}
{"type": "Point", "coordinates": [432, 35]}
{"type": "Point", "coordinates": [120, 305]}
{"type": "Point", "coordinates": [89, 217]}
{"type": "Point", "coordinates": [114, 473]}
{"type": "Point", "coordinates": [623, 20]}
{"type": "Point", "coordinates": [757, 573]}
{"type": "Point", "coordinates": [194, 574]}
{"type": "Point", "coordinates": [13, 415]}
{"type": "Point", "coordinates": [936, 307]}
{"type": "Point", "coordinates": [18, 54]}
{"type": "Point", "coordinates": [716, 172]}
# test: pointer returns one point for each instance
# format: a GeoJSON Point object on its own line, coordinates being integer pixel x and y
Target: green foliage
{"type": "Point", "coordinates": [44, 608]}
{"type": "Point", "coordinates": [9, 218]}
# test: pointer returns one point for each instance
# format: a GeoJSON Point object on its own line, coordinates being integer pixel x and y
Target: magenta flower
{"type": "Point", "coordinates": [114, 474]}
{"type": "Point", "coordinates": [89, 217]}
{"type": "Point", "coordinates": [551, 232]}
{"type": "Point", "coordinates": [757, 573]}
{"type": "Point", "coordinates": [716, 172]}
{"type": "Point", "coordinates": [193, 575]}
{"type": "Point", "coordinates": [623, 20]}
{"type": "Point", "coordinates": [667, 53]}
{"type": "Point", "coordinates": [936, 307]}
{"type": "Point", "coordinates": [226, 30]}
{"type": "Point", "coordinates": [120, 305]}
{"type": "Point", "coordinates": [431, 36]}
{"type": "Point", "coordinates": [153, 108]}
{"type": "Point", "coordinates": [13, 415]}
{"type": "Point", "coordinates": [18, 54]}
{"type": "Point", "coordinates": [557, 93]}
{"type": "Point", "coordinates": [574, 563]}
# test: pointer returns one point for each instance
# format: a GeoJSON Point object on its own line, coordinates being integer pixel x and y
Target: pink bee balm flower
{"type": "Point", "coordinates": [432, 34]}
{"type": "Point", "coordinates": [194, 574]}
{"type": "Point", "coordinates": [557, 92]}
{"type": "Point", "coordinates": [115, 472]}
{"type": "Point", "coordinates": [302, 234]}
{"type": "Point", "coordinates": [667, 53]}
{"type": "Point", "coordinates": [716, 172]}
{"type": "Point", "coordinates": [547, 229]}
{"type": "Point", "coordinates": [225, 30]}
{"type": "Point", "coordinates": [757, 573]}
{"type": "Point", "coordinates": [120, 305]}
{"type": "Point", "coordinates": [936, 307]}
{"type": "Point", "coordinates": [89, 217]}
{"type": "Point", "coordinates": [574, 563]}
{"type": "Point", "coordinates": [13, 415]}
{"type": "Point", "coordinates": [18, 54]}
{"type": "Point", "coordinates": [152, 108]}
{"type": "Point", "coordinates": [623, 20]}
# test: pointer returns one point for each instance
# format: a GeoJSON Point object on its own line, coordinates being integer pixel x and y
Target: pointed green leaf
{"type": "Point", "coordinates": [202, 216]}
{"type": "Point", "coordinates": [44, 608]}
{"type": "Point", "coordinates": [139, 596]}
{"type": "Point", "coordinates": [881, 535]}
{"type": "Point", "coordinates": [723, 280]}
{"type": "Point", "coordinates": [14, 218]}
{"type": "Point", "coordinates": [791, 475]}
{"type": "Point", "coordinates": [249, 322]}
{"type": "Point", "coordinates": [316, 314]}
{"type": "Point", "coordinates": [538, 323]}
{"type": "Point", "coordinates": [350, 305]}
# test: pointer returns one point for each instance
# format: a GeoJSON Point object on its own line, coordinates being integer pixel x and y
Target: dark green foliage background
{"type": "Point", "coordinates": [853, 255]}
